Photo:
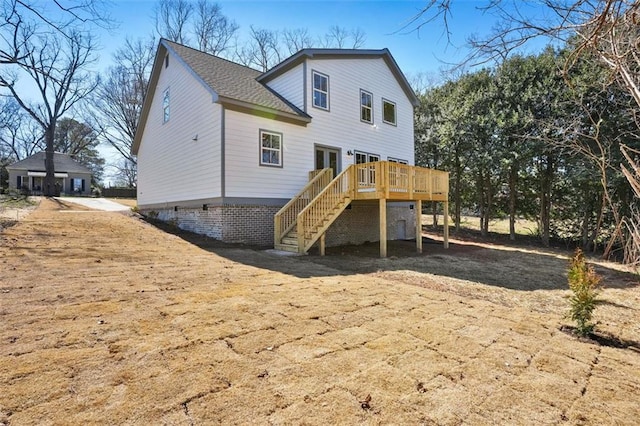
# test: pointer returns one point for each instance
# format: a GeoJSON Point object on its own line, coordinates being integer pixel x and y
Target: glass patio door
{"type": "Point", "coordinates": [328, 157]}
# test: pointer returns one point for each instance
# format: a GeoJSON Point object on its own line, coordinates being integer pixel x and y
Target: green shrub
{"type": "Point", "coordinates": [583, 282]}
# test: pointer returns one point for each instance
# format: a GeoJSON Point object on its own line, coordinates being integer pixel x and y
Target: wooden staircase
{"type": "Point", "coordinates": [306, 218]}
{"type": "Point", "coordinates": [297, 232]}
{"type": "Point", "coordinates": [285, 221]}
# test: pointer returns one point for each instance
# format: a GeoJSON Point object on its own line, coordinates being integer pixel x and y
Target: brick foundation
{"type": "Point", "coordinates": [254, 224]}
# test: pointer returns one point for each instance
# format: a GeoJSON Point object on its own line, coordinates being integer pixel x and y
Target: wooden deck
{"type": "Point", "coordinates": [398, 182]}
{"type": "Point", "coordinates": [306, 218]}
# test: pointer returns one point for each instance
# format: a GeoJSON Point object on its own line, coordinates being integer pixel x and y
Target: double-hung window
{"type": "Point", "coordinates": [320, 90]}
{"type": "Point", "coordinates": [388, 112]}
{"type": "Point", "coordinates": [165, 106]}
{"type": "Point", "coordinates": [366, 106]}
{"type": "Point", "coordinates": [270, 148]}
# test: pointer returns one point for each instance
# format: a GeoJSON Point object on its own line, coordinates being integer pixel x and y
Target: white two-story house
{"type": "Point", "coordinates": [221, 148]}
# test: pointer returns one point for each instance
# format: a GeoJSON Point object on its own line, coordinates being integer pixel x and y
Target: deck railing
{"type": "Point", "coordinates": [385, 179]}
{"type": "Point", "coordinates": [286, 217]}
{"type": "Point", "coordinates": [312, 219]}
{"type": "Point", "coordinates": [322, 200]}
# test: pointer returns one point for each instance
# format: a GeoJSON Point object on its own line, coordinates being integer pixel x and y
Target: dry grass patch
{"type": "Point", "coordinates": [107, 319]}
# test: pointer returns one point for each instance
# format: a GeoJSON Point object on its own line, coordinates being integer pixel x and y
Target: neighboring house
{"type": "Point", "coordinates": [222, 147]}
{"type": "Point", "coordinates": [71, 176]}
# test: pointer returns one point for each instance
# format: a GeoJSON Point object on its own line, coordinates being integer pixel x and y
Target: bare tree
{"type": "Point", "coordinates": [421, 82]}
{"type": "Point", "coordinates": [50, 44]}
{"type": "Point", "coordinates": [608, 28]}
{"type": "Point", "coordinates": [56, 67]}
{"type": "Point", "coordinates": [119, 97]}
{"type": "Point", "coordinates": [358, 38]}
{"type": "Point", "coordinates": [296, 39]}
{"type": "Point", "coordinates": [262, 51]}
{"type": "Point", "coordinates": [21, 19]}
{"type": "Point", "coordinates": [172, 19]}
{"type": "Point", "coordinates": [125, 173]}
{"type": "Point", "coordinates": [213, 30]}
{"type": "Point", "coordinates": [20, 135]}
{"type": "Point", "coordinates": [343, 38]}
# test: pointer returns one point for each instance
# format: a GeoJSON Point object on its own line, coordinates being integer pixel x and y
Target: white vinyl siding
{"type": "Point", "coordinates": [173, 163]}
{"type": "Point", "coordinates": [290, 86]}
{"type": "Point", "coordinates": [174, 167]}
{"type": "Point", "coordinates": [245, 177]}
{"type": "Point", "coordinates": [342, 127]}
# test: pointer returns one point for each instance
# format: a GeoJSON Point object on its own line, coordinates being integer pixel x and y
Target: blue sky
{"type": "Point", "coordinates": [382, 22]}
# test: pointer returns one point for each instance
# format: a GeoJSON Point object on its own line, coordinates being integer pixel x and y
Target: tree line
{"type": "Point", "coordinates": [553, 137]}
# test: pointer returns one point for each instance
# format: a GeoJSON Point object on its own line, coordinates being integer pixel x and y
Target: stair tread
{"type": "Point", "coordinates": [286, 247]}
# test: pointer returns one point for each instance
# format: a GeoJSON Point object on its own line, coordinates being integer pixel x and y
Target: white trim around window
{"type": "Point", "coordinates": [320, 90]}
{"type": "Point", "coordinates": [389, 112]}
{"type": "Point", "coordinates": [366, 107]}
{"type": "Point", "coordinates": [270, 148]}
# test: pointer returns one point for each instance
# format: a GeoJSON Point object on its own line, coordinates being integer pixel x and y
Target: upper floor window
{"type": "Point", "coordinates": [270, 148]}
{"type": "Point", "coordinates": [320, 90]}
{"type": "Point", "coordinates": [366, 106]}
{"type": "Point", "coordinates": [165, 106]}
{"type": "Point", "coordinates": [388, 112]}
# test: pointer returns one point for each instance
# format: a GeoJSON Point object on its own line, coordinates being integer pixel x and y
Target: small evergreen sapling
{"type": "Point", "coordinates": [583, 282]}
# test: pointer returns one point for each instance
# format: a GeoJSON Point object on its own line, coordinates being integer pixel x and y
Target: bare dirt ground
{"type": "Point", "coordinates": [106, 319]}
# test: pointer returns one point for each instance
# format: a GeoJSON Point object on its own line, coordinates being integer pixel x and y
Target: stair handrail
{"type": "Point", "coordinates": [285, 219]}
{"type": "Point", "coordinates": [311, 218]}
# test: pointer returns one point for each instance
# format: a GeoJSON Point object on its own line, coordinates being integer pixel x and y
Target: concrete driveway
{"type": "Point", "coordinates": [96, 203]}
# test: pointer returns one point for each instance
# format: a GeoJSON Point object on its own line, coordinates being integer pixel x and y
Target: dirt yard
{"type": "Point", "coordinates": [106, 319]}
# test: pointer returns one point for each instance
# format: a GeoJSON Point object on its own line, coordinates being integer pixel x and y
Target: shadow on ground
{"type": "Point", "coordinates": [511, 267]}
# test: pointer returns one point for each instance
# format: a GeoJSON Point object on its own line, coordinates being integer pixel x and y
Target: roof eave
{"type": "Point", "coordinates": [303, 54]}
{"type": "Point", "coordinates": [249, 107]}
{"type": "Point", "coordinates": [146, 104]}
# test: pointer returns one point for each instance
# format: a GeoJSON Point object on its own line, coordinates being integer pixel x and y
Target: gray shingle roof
{"type": "Point", "coordinates": [62, 163]}
{"type": "Point", "coordinates": [230, 80]}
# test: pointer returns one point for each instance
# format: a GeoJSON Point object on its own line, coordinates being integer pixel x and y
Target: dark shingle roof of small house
{"type": "Point", "coordinates": [62, 163]}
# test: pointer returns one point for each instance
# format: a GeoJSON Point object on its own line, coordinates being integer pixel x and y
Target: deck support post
{"type": "Point", "coordinates": [418, 208]}
{"type": "Point", "coordinates": [445, 213]}
{"type": "Point", "coordinates": [322, 242]}
{"type": "Point", "coordinates": [383, 227]}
